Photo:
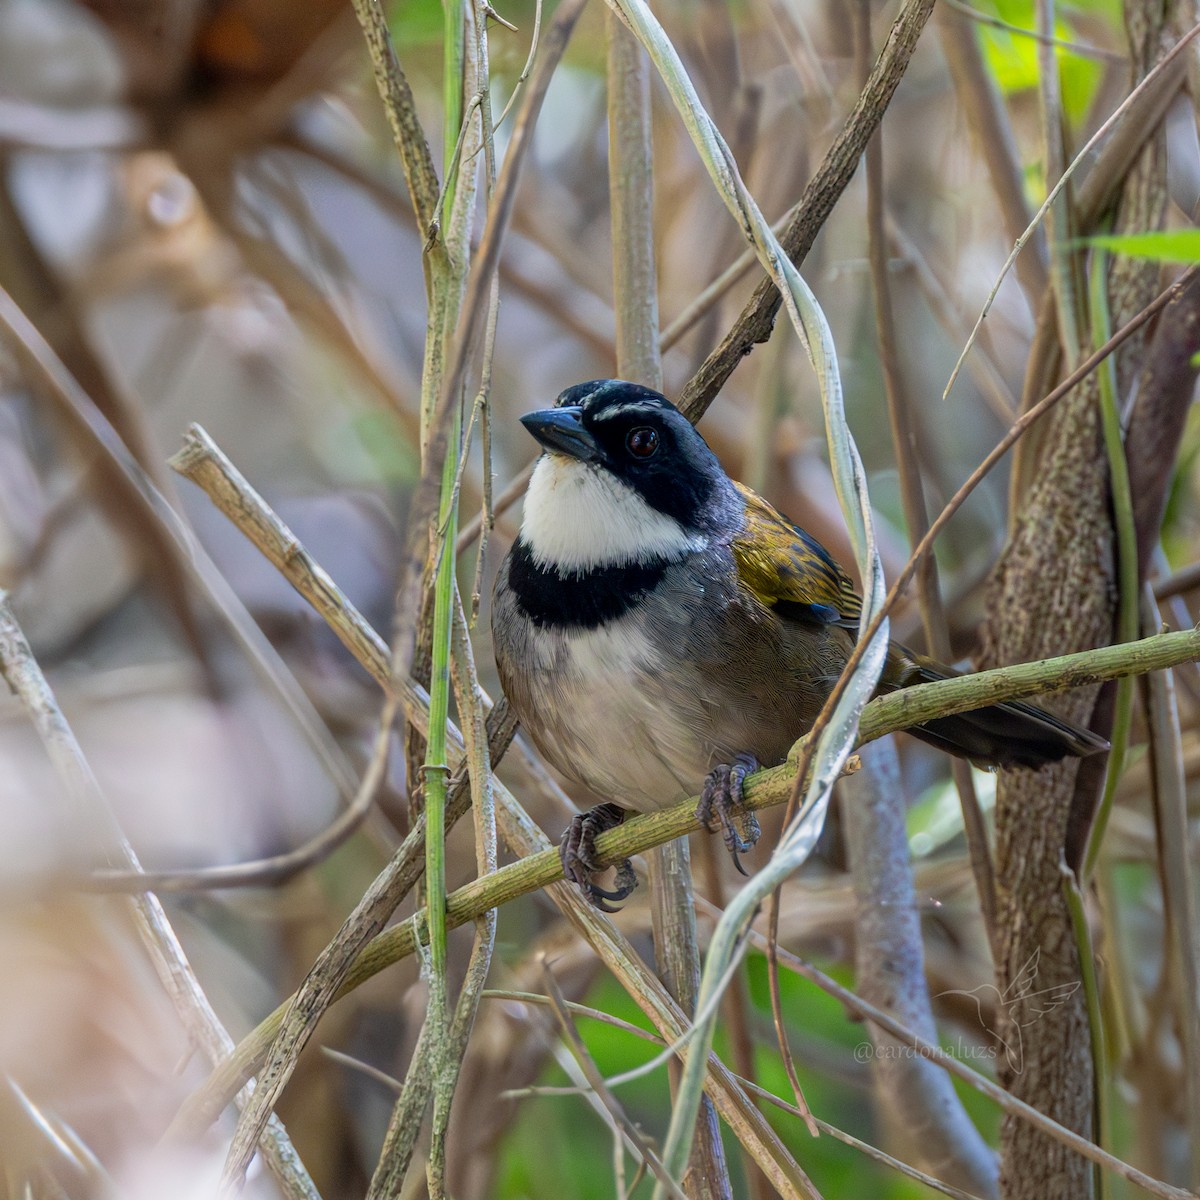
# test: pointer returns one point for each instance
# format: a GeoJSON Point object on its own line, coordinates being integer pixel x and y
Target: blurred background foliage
{"type": "Point", "coordinates": [201, 212]}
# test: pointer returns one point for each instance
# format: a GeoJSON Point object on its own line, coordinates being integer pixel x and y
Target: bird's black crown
{"type": "Point", "coordinates": [647, 443]}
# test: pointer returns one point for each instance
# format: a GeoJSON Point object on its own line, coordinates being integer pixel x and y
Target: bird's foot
{"type": "Point", "coordinates": [578, 852]}
{"type": "Point", "coordinates": [723, 809]}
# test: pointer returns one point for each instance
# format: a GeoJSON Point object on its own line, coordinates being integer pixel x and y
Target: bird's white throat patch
{"type": "Point", "coordinates": [578, 517]}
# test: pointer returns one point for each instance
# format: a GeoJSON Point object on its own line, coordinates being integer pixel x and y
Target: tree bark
{"type": "Point", "coordinates": [1053, 592]}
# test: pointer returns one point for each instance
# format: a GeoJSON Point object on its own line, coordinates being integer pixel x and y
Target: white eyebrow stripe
{"type": "Point", "coordinates": [639, 407]}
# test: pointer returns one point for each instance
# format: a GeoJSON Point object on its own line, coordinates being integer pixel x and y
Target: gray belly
{"type": "Point", "coordinates": [642, 708]}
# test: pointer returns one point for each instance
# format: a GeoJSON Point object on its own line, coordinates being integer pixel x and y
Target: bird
{"type": "Point", "coordinates": [661, 631]}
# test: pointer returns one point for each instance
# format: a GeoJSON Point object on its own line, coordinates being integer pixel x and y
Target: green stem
{"type": "Point", "coordinates": [445, 533]}
{"type": "Point", "coordinates": [764, 789]}
{"type": "Point", "coordinates": [436, 766]}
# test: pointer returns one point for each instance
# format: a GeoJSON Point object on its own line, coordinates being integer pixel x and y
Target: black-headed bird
{"type": "Point", "coordinates": [661, 631]}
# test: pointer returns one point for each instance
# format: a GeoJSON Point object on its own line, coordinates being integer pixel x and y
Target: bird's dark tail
{"type": "Point", "coordinates": [1013, 733]}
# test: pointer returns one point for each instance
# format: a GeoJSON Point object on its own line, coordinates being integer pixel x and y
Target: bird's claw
{"type": "Point", "coordinates": [578, 852]}
{"type": "Point", "coordinates": [722, 807]}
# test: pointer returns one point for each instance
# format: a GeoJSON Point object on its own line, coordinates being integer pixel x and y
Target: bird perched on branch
{"type": "Point", "coordinates": [661, 631]}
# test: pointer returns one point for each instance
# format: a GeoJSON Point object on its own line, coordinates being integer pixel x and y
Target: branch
{"type": "Point", "coordinates": [401, 109]}
{"type": "Point", "coordinates": [21, 671]}
{"type": "Point", "coordinates": [886, 714]}
{"type": "Point", "coordinates": [823, 192]}
{"type": "Point", "coordinates": [764, 789]}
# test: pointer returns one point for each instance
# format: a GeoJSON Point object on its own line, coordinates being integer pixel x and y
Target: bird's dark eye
{"type": "Point", "coordinates": [642, 442]}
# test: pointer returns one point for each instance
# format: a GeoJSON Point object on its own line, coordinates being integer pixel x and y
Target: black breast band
{"type": "Point", "coordinates": [584, 601]}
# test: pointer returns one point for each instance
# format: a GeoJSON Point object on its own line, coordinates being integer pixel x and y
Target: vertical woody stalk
{"type": "Point", "coordinates": [837, 735]}
{"type": "Point", "coordinates": [447, 285]}
{"type": "Point", "coordinates": [447, 281]}
{"type": "Point", "coordinates": [1053, 590]}
{"type": "Point", "coordinates": [635, 291]}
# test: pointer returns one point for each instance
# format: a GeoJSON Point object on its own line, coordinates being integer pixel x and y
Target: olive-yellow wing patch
{"type": "Point", "coordinates": [790, 571]}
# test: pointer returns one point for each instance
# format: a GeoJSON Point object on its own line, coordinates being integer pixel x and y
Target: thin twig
{"type": "Point", "coordinates": [1147, 83]}
{"type": "Point", "coordinates": [1007, 1102]}
{"type": "Point", "coordinates": [1024, 422]}
{"type": "Point", "coordinates": [764, 789]}
{"type": "Point", "coordinates": [995, 22]}
{"type": "Point", "coordinates": [509, 495]}
{"type": "Point", "coordinates": [822, 193]}
{"type": "Point", "coordinates": [401, 110]}
{"type": "Point", "coordinates": [599, 1086]}
{"type": "Point", "coordinates": [635, 292]}
{"type": "Point", "coordinates": [905, 429]}
{"type": "Point", "coordinates": [39, 359]}
{"type": "Point", "coordinates": [24, 676]}
{"type": "Point", "coordinates": [1177, 879]}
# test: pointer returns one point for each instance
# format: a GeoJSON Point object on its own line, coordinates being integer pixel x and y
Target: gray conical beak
{"type": "Point", "coordinates": [561, 431]}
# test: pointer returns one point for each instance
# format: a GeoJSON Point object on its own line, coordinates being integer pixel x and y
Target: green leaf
{"type": "Point", "coordinates": [1080, 80]}
{"type": "Point", "coordinates": [1013, 58]}
{"type": "Point", "coordinates": [1164, 245]}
